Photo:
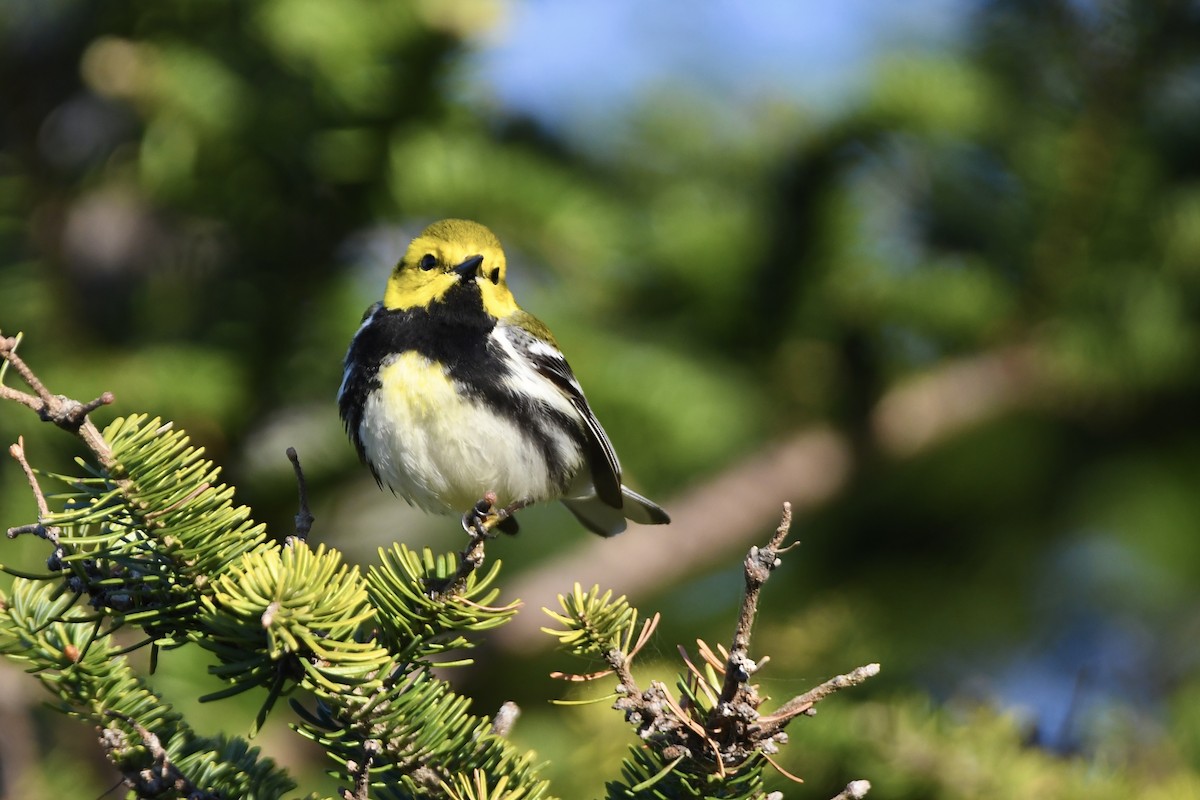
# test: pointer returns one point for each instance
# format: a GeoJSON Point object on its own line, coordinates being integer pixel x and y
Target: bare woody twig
{"type": "Point", "coordinates": [50, 534]}
{"type": "Point", "coordinates": [802, 704]}
{"type": "Point", "coordinates": [70, 415]}
{"type": "Point", "coordinates": [505, 718]}
{"type": "Point", "coordinates": [855, 790]}
{"type": "Point", "coordinates": [760, 561]}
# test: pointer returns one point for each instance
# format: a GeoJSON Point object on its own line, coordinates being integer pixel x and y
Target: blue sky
{"type": "Point", "coordinates": [567, 62]}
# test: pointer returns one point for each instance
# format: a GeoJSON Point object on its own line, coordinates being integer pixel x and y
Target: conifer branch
{"type": "Point", "coordinates": [479, 523]}
{"type": "Point", "coordinates": [159, 779]}
{"type": "Point", "coordinates": [151, 537]}
{"type": "Point", "coordinates": [469, 559]}
{"type": "Point", "coordinates": [713, 730]}
{"type": "Point", "coordinates": [360, 770]}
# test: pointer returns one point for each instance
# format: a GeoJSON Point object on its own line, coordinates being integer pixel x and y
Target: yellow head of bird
{"type": "Point", "coordinates": [446, 254]}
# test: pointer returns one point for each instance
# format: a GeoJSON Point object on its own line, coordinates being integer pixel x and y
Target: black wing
{"type": "Point", "coordinates": [359, 378]}
{"type": "Point", "coordinates": [550, 364]}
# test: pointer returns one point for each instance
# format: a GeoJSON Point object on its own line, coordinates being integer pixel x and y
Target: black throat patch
{"type": "Point", "coordinates": [455, 332]}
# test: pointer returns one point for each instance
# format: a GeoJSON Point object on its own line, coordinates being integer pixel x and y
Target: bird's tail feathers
{"type": "Point", "coordinates": [597, 516]}
{"type": "Point", "coordinates": [641, 510]}
{"type": "Point", "coordinates": [601, 518]}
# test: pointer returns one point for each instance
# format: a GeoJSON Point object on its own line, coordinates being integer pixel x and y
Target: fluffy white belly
{"type": "Point", "coordinates": [442, 453]}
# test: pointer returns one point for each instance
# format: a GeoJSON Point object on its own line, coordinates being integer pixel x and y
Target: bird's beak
{"type": "Point", "coordinates": [468, 268]}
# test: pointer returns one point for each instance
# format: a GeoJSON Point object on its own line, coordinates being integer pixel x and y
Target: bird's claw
{"type": "Point", "coordinates": [484, 517]}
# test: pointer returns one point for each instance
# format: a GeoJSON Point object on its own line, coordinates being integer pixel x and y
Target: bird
{"type": "Point", "coordinates": [451, 393]}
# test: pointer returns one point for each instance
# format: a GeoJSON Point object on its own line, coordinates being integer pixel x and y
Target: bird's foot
{"type": "Point", "coordinates": [478, 523]}
{"type": "Point", "coordinates": [484, 517]}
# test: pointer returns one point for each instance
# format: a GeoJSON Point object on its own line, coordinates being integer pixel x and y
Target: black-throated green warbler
{"type": "Point", "coordinates": [451, 392]}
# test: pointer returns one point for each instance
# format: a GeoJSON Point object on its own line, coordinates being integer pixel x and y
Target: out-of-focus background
{"type": "Point", "coordinates": [930, 270]}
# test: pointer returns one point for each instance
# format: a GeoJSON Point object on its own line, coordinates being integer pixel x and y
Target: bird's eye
{"type": "Point", "coordinates": [495, 275]}
{"type": "Point", "coordinates": [427, 262]}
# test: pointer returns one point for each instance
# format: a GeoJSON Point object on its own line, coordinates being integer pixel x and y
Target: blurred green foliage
{"type": "Point", "coordinates": [197, 200]}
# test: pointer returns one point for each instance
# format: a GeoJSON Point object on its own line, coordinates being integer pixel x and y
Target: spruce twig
{"type": "Point", "coordinates": [469, 559]}
{"type": "Point", "coordinates": [165, 776]}
{"type": "Point", "coordinates": [479, 523]}
{"type": "Point", "coordinates": [157, 542]}
{"type": "Point", "coordinates": [361, 771]}
{"type": "Point", "coordinates": [713, 730]}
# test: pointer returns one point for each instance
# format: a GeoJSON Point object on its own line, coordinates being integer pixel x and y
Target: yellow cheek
{"type": "Point", "coordinates": [497, 300]}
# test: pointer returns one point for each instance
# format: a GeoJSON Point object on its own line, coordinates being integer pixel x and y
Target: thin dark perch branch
{"type": "Point", "coordinates": [70, 415]}
{"type": "Point", "coordinates": [304, 517]}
